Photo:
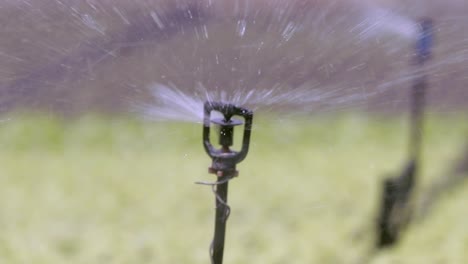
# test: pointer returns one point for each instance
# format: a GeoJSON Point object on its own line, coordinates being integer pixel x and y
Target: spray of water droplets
{"type": "Point", "coordinates": [297, 57]}
{"type": "Point", "coordinates": [165, 58]}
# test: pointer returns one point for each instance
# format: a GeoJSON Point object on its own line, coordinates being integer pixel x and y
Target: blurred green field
{"type": "Point", "coordinates": [121, 190]}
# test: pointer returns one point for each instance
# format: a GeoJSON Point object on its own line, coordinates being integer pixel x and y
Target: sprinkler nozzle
{"type": "Point", "coordinates": [225, 159]}
{"type": "Point", "coordinates": [226, 130]}
{"type": "Point", "coordinates": [425, 40]}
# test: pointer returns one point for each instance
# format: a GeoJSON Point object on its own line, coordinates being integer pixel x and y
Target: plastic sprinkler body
{"type": "Point", "coordinates": [425, 40]}
{"type": "Point", "coordinates": [224, 161]}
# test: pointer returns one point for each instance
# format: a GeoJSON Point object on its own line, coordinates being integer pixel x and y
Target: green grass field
{"type": "Point", "coordinates": [110, 190]}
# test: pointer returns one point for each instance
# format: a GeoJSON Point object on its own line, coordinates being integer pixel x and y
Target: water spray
{"type": "Point", "coordinates": [224, 161]}
{"type": "Point", "coordinates": [395, 210]}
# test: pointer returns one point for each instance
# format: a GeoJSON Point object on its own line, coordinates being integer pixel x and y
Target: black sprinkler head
{"type": "Point", "coordinates": [225, 159]}
{"type": "Point", "coordinates": [425, 39]}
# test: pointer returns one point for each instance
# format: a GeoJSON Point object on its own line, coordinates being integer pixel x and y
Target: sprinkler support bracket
{"type": "Point", "coordinates": [224, 161]}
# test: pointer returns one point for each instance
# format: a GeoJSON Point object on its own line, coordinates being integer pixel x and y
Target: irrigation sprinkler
{"type": "Point", "coordinates": [395, 212]}
{"type": "Point", "coordinates": [224, 161]}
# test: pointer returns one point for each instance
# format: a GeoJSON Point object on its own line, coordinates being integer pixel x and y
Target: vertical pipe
{"type": "Point", "coordinates": [418, 100]}
{"type": "Point", "coordinates": [222, 212]}
{"type": "Point", "coordinates": [418, 91]}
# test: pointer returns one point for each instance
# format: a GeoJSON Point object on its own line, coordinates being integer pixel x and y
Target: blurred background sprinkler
{"type": "Point", "coordinates": [395, 211]}
{"type": "Point", "coordinates": [224, 161]}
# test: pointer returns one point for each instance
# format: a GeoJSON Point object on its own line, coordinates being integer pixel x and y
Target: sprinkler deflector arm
{"type": "Point", "coordinates": [221, 157]}
{"type": "Point", "coordinates": [224, 161]}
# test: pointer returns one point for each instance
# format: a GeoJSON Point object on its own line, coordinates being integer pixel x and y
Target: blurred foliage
{"type": "Point", "coordinates": [121, 190]}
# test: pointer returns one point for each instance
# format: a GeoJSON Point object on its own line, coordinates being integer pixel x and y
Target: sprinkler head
{"type": "Point", "coordinates": [425, 39]}
{"type": "Point", "coordinates": [225, 159]}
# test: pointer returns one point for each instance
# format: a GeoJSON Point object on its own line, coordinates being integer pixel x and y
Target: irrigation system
{"type": "Point", "coordinates": [395, 210]}
{"type": "Point", "coordinates": [224, 161]}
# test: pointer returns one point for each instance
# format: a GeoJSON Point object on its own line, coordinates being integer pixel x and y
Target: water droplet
{"type": "Point", "coordinates": [157, 20]}
{"type": "Point", "coordinates": [241, 27]}
{"type": "Point", "coordinates": [205, 30]}
{"type": "Point", "coordinates": [289, 31]}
